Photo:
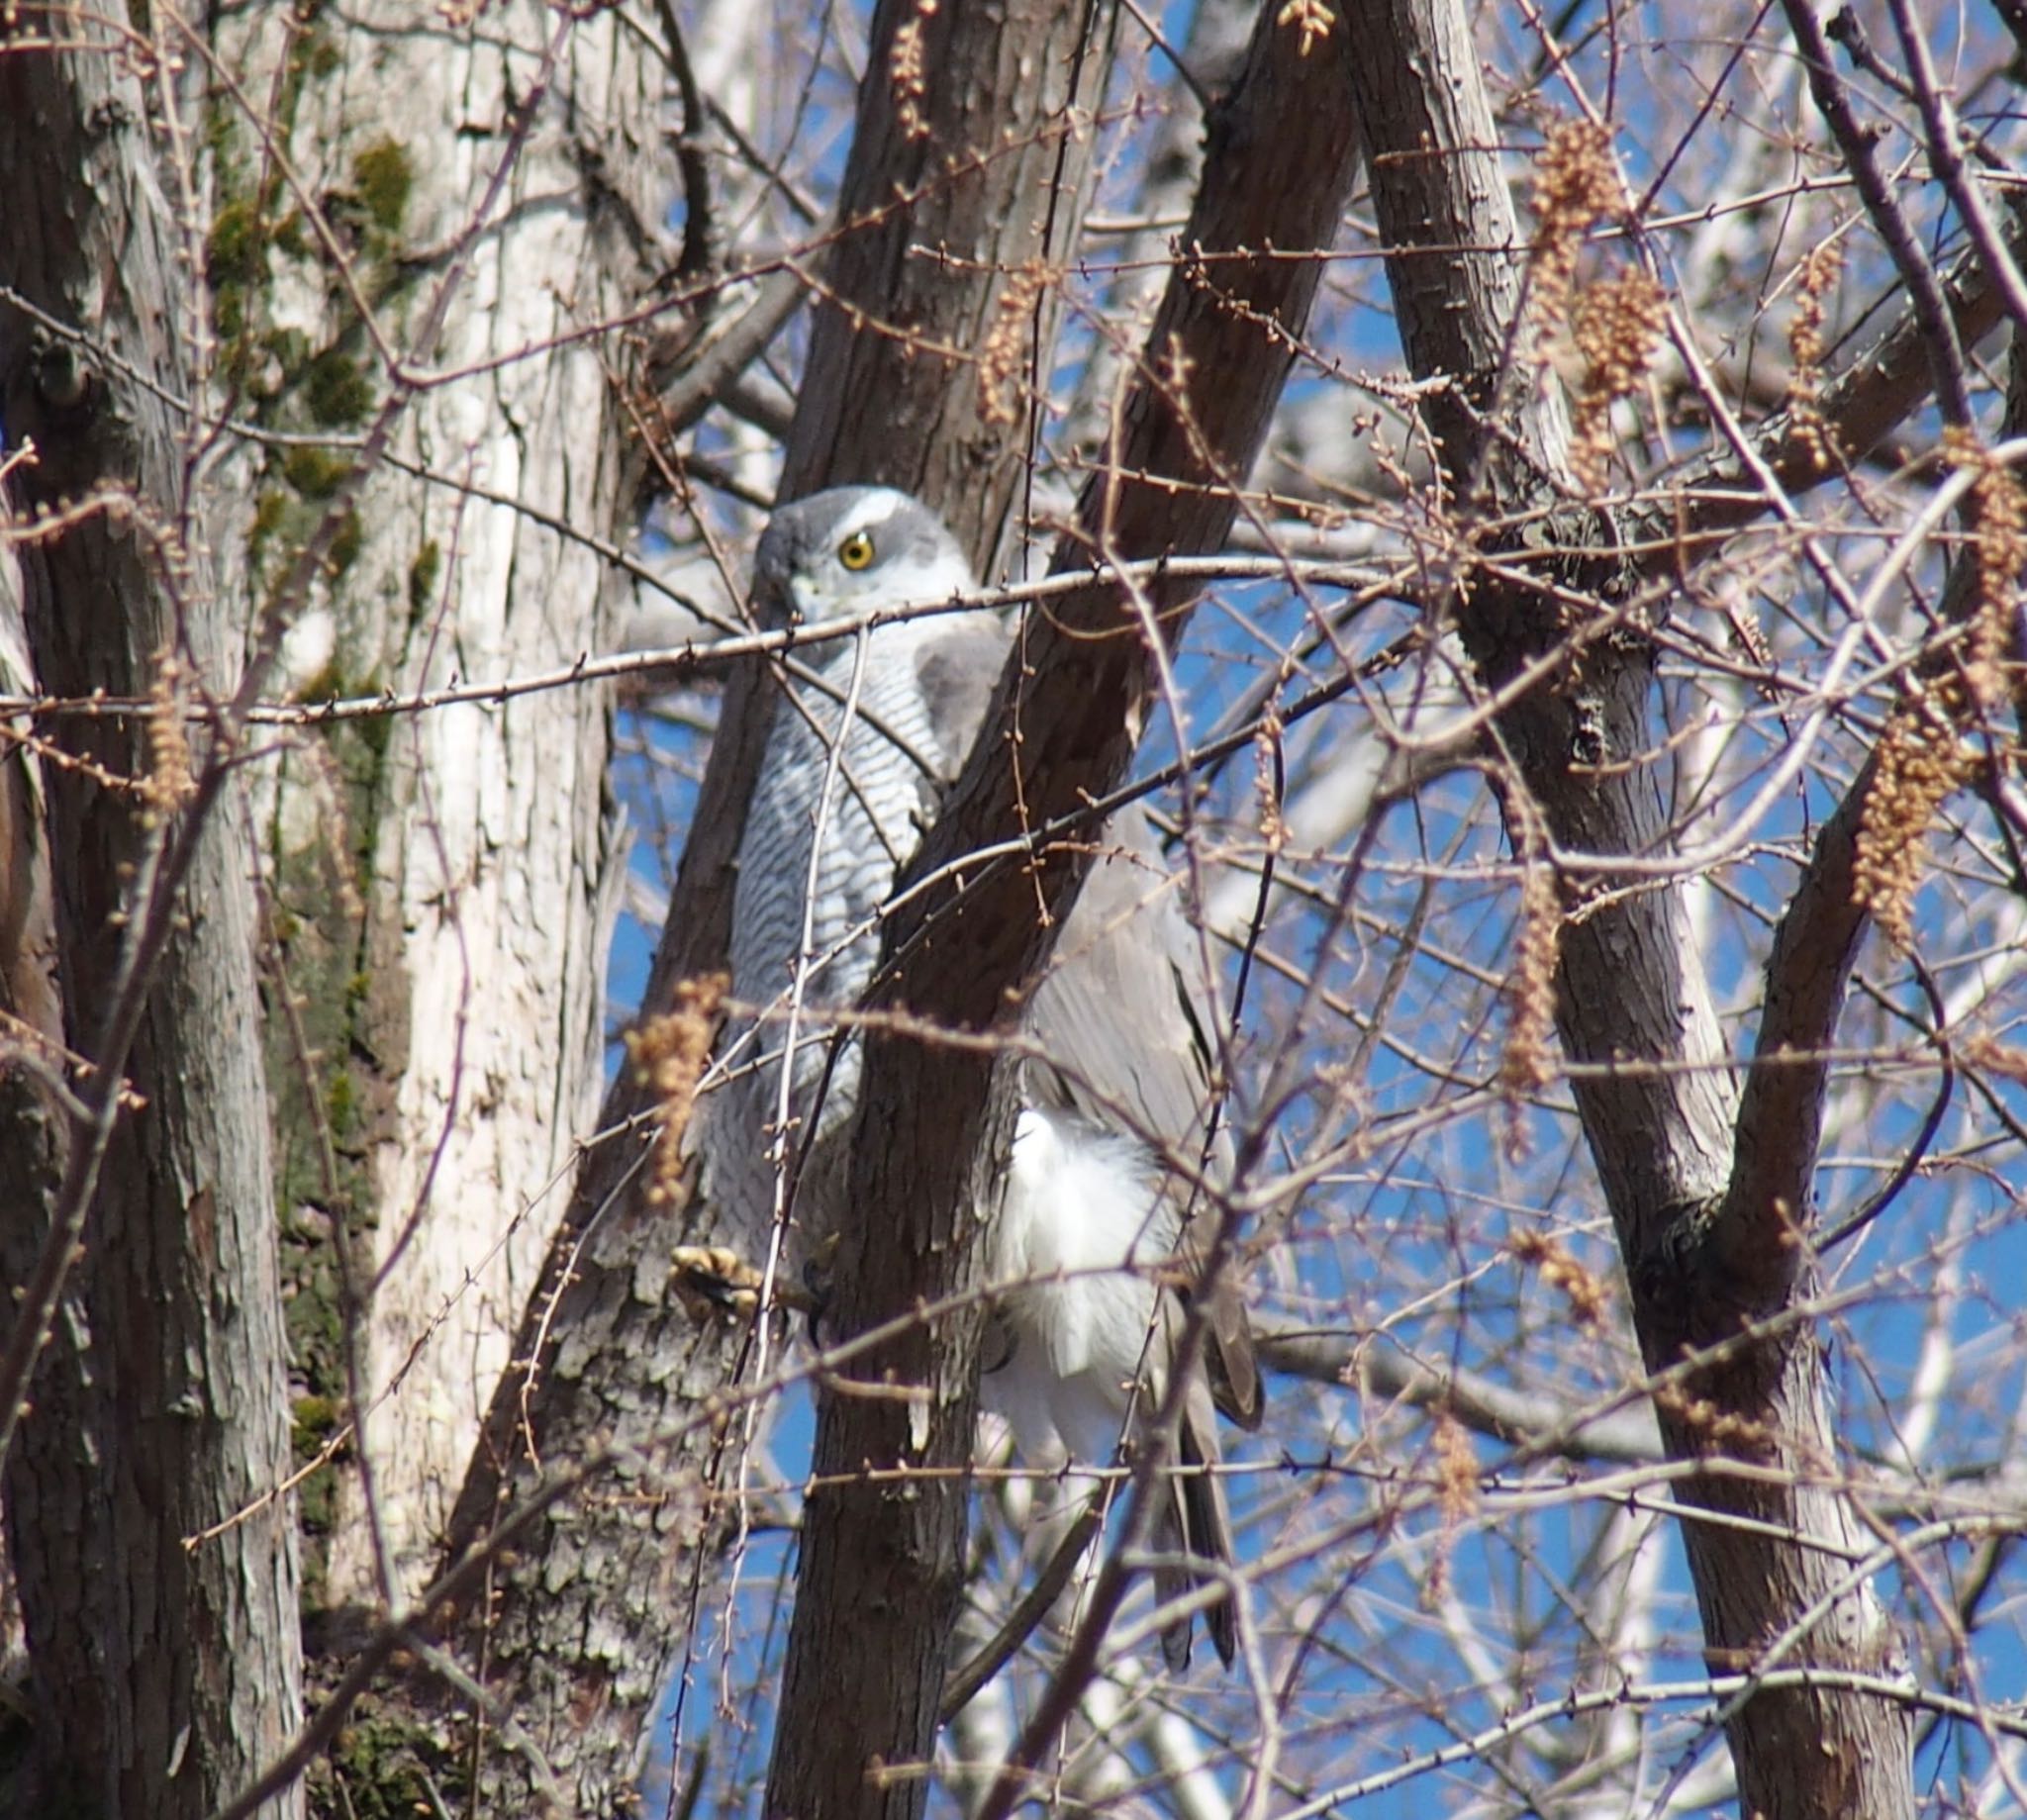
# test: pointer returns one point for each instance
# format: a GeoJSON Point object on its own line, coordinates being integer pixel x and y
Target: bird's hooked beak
{"type": "Point", "coordinates": [775, 602]}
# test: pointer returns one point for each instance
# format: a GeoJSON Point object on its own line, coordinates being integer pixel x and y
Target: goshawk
{"type": "Point", "coordinates": [1094, 1220]}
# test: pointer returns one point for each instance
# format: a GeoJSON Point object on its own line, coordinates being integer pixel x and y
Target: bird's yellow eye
{"type": "Point", "coordinates": [856, 552]}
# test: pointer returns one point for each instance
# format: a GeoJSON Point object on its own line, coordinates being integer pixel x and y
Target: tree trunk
{"type": "Point", "coordinates": [598, 1594]}
{"type": "Point", "coordinates": [884, 1528]}
{"type": "Point", "coordinates": [443, 882]}
{"type": "Point", "coordinates": [159, 1589]}
{"type": "Point", "coordinates": [1630, 985]}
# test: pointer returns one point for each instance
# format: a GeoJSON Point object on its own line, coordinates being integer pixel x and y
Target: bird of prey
{"type": "Point", "coordinates": [1093, 1245]}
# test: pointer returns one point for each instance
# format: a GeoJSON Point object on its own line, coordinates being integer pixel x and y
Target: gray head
{"type": "Point", "coordinates": [849, 549]}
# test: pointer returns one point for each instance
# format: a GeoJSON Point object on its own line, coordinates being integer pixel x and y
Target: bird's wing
{"type": "Point", "coordinates": [1122, 1026]}
{"type": "Point", "coordinates": [917, 700]}
{"type": "Point", "coordinates": [1122, 1035]}
{"type": "Point", "coordinates": [1124, 1041]}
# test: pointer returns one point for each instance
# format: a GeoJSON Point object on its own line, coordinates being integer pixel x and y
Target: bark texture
{"type": "Point", "coordinates": [163, 1674]}
{"type": "Point", "coordinates": [1630, 986]}
{"type": "Point", "coordinates": [959, 206]}
{"type": "Point", "coordinates": [883, 1551]}
{"type": "Point", "coordinates": [35, 1132]}
{"type": "Point", "coordinates": [445, 882]}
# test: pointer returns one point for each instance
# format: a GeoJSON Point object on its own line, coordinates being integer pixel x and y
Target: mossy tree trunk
{"type": "Point", "coordinates": [363, 397]}
{"type": "Point", "coordinates": [442, 882]}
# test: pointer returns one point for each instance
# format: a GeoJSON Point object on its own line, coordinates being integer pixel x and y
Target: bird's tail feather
{"type": "Point", "coordinates": [1195, 1523]}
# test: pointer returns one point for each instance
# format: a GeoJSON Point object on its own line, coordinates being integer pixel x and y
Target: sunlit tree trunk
{"type": "Point", "coordinates": [580, 1622]}
{"type": "Point", "coordinates": [442, 882]}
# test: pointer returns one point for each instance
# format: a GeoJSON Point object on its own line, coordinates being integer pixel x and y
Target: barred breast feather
{"type": "Point", "coordinates": [872, 804]}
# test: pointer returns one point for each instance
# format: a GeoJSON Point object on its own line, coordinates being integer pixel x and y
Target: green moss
{"type": "Point", "coordinates": [317, 1506]}
{"type": "Point", "coordinates": [340, 1104]}
{"type": "Point", "coordinates": [270, 513]}
{"type": "Point", "coordinates": [340, 1099]}
{"type": "Point", "coordinates": [315, 1420]}
{"type": "Point", "coordinates": [292, 235]}
{"type": "Point", "coordinates": [251, 222]}
{"type": "Point", "coordinates": [315, 473]}
{"type": "Point", "coordinates": [327, 685]}
{"type": "Point", "coordinates": [384, 178]}
{"type": "Point", "coordinates": [313, 55]}
{"type": "Point", "coordinates": [234, 251]}
{"type": "Point", "coordinates": [422, 576]}
{"type": "Point", "coordinates": [336, 391]}
{"type": "Point", "coordinates": [316, 1334]}
{"type": "Point", "coordinates": [346, 545]}
{"type": "Point", "coordinates": [380, 1769]}
{"type": "Point", "coordinates": [221, 130]}
{"type": "Point", "coordinates": [228, 317]}
{"type": "Point", "coordinates": [376, 733]}
{"type": "Point", "coordinates": [290, 348]}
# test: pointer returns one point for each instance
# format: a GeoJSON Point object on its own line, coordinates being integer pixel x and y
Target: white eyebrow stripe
{"type": "Point", "coordinates": [880, 505]}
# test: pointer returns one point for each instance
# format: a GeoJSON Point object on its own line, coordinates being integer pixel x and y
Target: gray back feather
{"type": "Point", "coordinates": [1125, 1032]}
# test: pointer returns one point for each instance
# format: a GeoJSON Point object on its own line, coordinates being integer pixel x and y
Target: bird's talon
{"type": "Point", "coordinates": [712, 1279]}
